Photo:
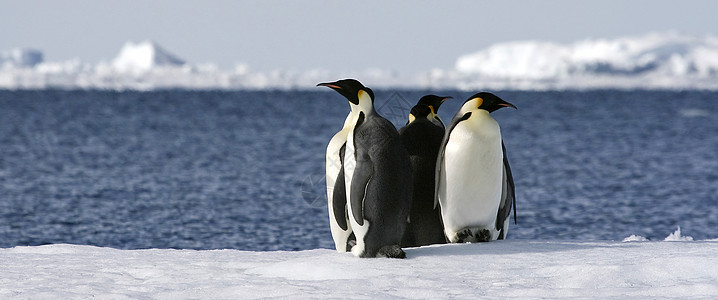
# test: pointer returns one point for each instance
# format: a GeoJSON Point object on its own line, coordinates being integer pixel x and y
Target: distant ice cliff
{"type": "Point", "coordinates": [668, 54]}
{"type": "Point", "coordinates": [668, 60]}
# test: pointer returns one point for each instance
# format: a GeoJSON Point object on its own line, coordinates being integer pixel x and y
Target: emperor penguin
{"type": "Point", "coordinates": [422, 137]}
{"type": "Point", "coordinates": [433, 102]}
{"type": "Point", "coordinates": [377, 176]}
{"type": "Point", "coordinates": [475, 187]}
{"type": "Point", "coordinates": [339, 223]}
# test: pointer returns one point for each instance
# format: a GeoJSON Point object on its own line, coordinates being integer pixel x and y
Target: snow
{"type": "Point", "coordinates": [634, 268]}
{"type": "Point", "coordinates": [676, 236]}
{"type": "Point", "coordinates": [663, 60]}
{"type": "Point", "coordinates": [635, 238]}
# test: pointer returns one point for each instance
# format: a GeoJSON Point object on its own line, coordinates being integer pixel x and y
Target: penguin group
{"type": "Point", "coordinates": [426, 183]}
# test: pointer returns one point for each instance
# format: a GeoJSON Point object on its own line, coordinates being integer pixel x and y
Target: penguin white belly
{"type": "Point", "coordinates": [333, 166]}
{"type": "Point", "coordinates": [333, 162]}
{"type": "Point", "coordinates": [471, 177]}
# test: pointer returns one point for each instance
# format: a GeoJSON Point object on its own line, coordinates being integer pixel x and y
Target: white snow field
{"type": "Point", "coordinates": [665, 60]}
{"type": "Point", "coordinates": [634, 268]}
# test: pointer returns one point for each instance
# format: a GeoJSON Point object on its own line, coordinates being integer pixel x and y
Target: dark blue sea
{"type": "Point", "coordinates": [244, 169]}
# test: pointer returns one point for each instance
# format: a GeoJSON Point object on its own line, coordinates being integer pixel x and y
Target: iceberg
{"type": "Point", "coordinates": [661, 60]}
{"type": "Point", "coordinates": [143, 57]}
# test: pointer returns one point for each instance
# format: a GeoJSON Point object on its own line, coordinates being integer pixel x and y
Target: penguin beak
{"type": "Point", "coordinates": [434, 109]}
{"type": "Point", "coordinates": [330, 85]}
{"type": "Point", "coordinates": [344, 91]}
{"type": "Point", "coordinates": [506, 104]}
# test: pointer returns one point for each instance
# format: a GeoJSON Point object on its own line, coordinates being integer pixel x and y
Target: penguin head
{"type": "Point", "coordinates": [487, 101]}
{"type": "Point", "coordinates": [433, 102]}
{"type": "Point", "coordinates": [352, 89]}
{"type": "Point", "coordinates": [420, 111]}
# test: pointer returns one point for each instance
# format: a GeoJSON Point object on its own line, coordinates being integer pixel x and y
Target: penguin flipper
{"type": "Point", "coordinates": [339, 201]}
{"type": "Point", "coordinates": [508, 195]}
{"type": "Point", "coordinates": [361, 178]}
{"type": "Point", "coordinates": [511, 194]}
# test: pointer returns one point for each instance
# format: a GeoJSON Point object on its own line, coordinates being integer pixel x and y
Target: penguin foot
{"type": "Point", "coordinates": [462, 236]}
{"type": "Point", "coordinates": [484, 235]}
{"type": "Point", "coordinates": [393, 251]}
{"type": "Point", "coordinates": [351, 244]}
{"type": "Point", "coordinates": [468, 236]}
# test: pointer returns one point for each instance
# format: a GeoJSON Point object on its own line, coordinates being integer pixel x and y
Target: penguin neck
{"type": "Point", "coordinates": [481, 115]}
{"type": "Point", "coordinates": [482, 121]}
{"type": "Point", "coordinates": [471, 107]}
{"type": "Point", "coordinates": [351, 119]}
{"type": "Point", "coordinates": [434, 118]}
{"type": "Point", "coordinates": [355, 111]}
{"type": "Point", "coordinates": [412, 118]}
{"type": "Point", "coordinates": [419, 119]}
{"type": "Point", "coordinates": [365, 105]}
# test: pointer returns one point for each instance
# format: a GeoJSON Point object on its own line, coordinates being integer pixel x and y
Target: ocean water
{"type": "Point", "coordinates": [244, 169]}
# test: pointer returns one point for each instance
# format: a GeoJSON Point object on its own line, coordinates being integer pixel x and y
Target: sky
{"type": "Point", "coordinates": [404, 36]}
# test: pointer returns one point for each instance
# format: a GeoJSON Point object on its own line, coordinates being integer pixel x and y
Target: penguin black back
{"type": "Point", "coordinates": [422, 138]}
{"type": "Point", "coordinates": [377, 175]}
{"type": "Point", "coordinates": [381, 185]}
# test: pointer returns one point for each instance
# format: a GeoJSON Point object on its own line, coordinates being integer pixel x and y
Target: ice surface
{"type": "Point", "coordinates": [668, 60]}
{"type": "Point", "coordinates": [504, 269]}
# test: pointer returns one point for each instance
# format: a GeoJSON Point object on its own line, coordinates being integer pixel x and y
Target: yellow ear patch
{"type": "Point", "coordinates": [432, 109]}
{"type": "Point", "coordinates": [411, 118]}
{"type": "Point", "coordinates": [479, 101]}
{"type": "Point", "coordinates": [362, 93]}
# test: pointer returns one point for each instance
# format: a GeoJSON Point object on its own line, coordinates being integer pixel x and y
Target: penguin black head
{"type": "Point", "coordinates": [488, 101]}
{"type": "Point", "coordinates": [432, 101]}
{"type": "Point", "coordinates": [419, 111]}
{"type": "Point", "coordinates": [349, 88]}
